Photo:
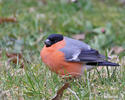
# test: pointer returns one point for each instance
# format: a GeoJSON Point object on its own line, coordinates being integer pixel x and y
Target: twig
{"type": "Point", "coordinates": [60, 92]}
{"type": "Point", "coordinates": [3, 20]}
{"type": "Point", "coordinates": [74, 93]}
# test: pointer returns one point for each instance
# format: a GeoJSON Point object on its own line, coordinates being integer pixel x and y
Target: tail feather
{"type": "Point", "coordinates": [105, 63]}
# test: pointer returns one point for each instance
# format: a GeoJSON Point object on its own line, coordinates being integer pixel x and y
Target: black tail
{"type": "Point", "coordinates": [105, 63]}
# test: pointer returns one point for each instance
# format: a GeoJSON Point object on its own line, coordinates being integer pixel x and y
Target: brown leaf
{"type": "Point", "coordinates": [3, 20]}
{"type": "Point", "coordinates": [79, 36]}
{"type": "Point", "coordinates": [15, 57]}
{"type": "Point", "coordinates": [10, 55]}
{"type": "Point", "coordinates": [117, 49]}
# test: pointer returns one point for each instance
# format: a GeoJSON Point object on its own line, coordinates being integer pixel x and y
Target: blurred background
{"type": "Point", "coordinates": [24, 24]}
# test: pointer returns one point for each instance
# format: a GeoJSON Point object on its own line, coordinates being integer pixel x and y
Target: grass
{"type": "Point", "coordinates": [35, 21]}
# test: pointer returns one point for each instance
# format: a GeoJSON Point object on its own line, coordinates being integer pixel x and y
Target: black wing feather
{"type": "Point", "coordinates": [104, 63]}
{"type": "Point", "coordinates": [91, 56]}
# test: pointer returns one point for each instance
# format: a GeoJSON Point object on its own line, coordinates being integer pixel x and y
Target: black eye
{"type": "Point", "coordinates": [51, 39]}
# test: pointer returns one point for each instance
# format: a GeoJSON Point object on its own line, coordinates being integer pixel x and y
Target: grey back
{"type": "Point", "coordinates": [73, 47]}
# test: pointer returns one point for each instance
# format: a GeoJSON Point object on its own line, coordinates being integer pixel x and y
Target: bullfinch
{"type": "Point", "coordinates": [67, 56]}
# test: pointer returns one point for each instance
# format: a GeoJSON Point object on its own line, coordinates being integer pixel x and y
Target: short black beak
{"type": "Point", "coordinates": [47, 42]}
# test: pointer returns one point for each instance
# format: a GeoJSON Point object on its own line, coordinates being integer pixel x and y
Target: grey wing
{"type": "Point", "coordinates": [77, 51]}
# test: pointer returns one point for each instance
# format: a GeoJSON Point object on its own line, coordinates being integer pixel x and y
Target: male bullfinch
{"type": "Point", "coordinates": [67, 56]}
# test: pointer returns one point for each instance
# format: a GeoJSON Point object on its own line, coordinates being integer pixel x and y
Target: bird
{"type": "Point", "coordinates": [69, 57]}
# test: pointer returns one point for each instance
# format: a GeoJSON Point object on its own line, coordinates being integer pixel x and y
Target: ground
{"type": "Point", "coordinates": [24, 24]}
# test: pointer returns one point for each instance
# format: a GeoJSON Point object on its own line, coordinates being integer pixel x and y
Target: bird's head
{"type": "Point", "coordinates": [52, 39]}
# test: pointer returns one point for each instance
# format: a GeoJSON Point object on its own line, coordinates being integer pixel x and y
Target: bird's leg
{"type": "Point", "coordinates": [60, 91]}
{"type": "Point", "coordinates": [74, 93]}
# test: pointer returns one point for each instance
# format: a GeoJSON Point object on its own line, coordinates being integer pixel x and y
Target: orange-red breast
{"type": "Point", "coordinates": [67, 56]}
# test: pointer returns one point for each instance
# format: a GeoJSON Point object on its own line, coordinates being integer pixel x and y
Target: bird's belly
{"type": "Point", "coordinates": [56, 62]}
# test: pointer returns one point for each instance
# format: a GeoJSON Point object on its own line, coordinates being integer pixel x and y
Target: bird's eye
{"type": "Point", "coordinates": [51, 39]}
